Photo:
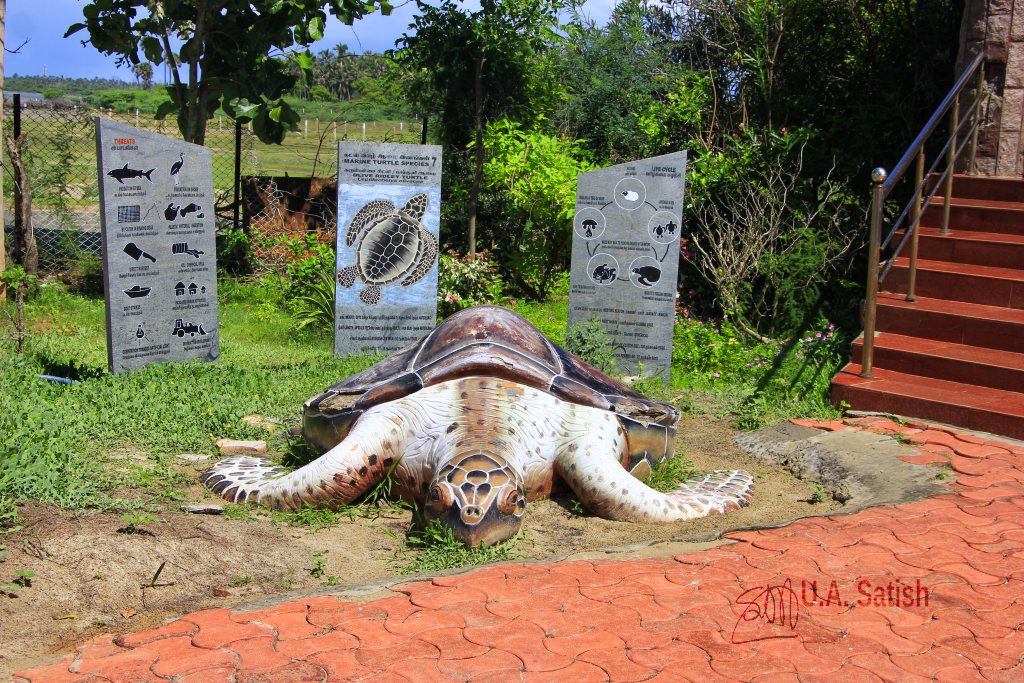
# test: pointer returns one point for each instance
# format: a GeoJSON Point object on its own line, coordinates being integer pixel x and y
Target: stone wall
{"type": "Point", "coordinates": [997, 28]}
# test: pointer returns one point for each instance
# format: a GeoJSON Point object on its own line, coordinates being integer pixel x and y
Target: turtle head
{"type": "Point", "coordinates": [479, 496]}
{"type": "Point", "coordinates": [416, 206]}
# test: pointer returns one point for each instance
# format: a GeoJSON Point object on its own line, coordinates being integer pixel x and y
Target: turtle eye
{"type": "Point", "coordinates": [438, 498]}
{"type": "Point", "coordinates": [512, 503]}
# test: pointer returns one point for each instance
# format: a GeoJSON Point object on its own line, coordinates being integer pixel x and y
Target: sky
{"type": "Point", "coordinates": [42, 24]}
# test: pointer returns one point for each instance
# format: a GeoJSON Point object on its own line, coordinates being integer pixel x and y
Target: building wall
{"type": "Point", "coordinates": [997, 28]}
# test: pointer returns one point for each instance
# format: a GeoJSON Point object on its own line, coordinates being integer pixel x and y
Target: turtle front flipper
{"type": "Point", "coordinates": [596, 476]}
{"type": "Point", "coordinates": [338, 477]}
{"type": "Point", "coordinates": [370, 212]}
{"type": "Point", "coordinates": [347, 276]}
{"type": "Point", "coordinates": [425, 259]}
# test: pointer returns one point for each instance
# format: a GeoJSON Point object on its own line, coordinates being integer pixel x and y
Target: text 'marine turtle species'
{"type": "Point", "coordinates": [474, 420]}
{"type": "Point", "coordinates": [392, 244]}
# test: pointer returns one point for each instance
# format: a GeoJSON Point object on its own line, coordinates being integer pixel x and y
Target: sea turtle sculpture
{"type": "Point", "coordinates": [474, 420]}
{"type": "Point", "coordinates": [392, 244]}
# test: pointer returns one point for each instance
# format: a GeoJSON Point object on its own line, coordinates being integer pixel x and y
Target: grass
{"type": "Point", "coordinates": [57, 441]}
{"type": "Point", "coordinates": [668, 474]}
{"type": "Point", "coordinates": [434, 548]}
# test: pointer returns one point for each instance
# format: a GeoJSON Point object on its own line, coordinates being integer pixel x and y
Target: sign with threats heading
{"type": "Point", "coordinates": [159, 247]}
{"type": "Point", "coordinates": [389, 214]}
{"type": "Point", "coordinates": [625, 257]}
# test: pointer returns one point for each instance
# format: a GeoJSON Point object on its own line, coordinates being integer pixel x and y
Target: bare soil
{"type": "Point", "coordinates": [91, 577]}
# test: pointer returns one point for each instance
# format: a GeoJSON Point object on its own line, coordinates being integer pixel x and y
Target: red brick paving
{"type": "Point", "coordinates": [932, 590]}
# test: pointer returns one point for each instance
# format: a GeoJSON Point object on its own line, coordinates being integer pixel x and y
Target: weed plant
{"type": "Point", "coordinates": [668, 474]}
{"type": "Point", "coordinates": [434, 548]}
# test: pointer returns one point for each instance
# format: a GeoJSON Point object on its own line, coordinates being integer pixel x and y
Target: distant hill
{"type": "Point", "coordinates": [65, 85]}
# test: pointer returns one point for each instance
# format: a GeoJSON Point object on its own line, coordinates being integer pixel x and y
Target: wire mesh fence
{"type": "Point", "coordinates": [296, 194]}
{"type": "Point", "coordinates": [286, 191]}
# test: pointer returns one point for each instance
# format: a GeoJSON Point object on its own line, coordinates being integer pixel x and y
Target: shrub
{"type": "Point", "coordinates": [590, 342]}
{"type": "Point", "coordinates": [771, 380]}
{"type": "Point", "coordinates": [85, 276]}
{"type": "Point", "coordinates": [536, 175]}
{"type": "Point", "coordinates": [462, 282]}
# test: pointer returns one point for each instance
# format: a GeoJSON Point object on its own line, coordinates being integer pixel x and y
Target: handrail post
{"type": "Point", "coordinates": [915, 224]}
{"type": "Point", "coordinates": [976, 120]}
{"type": "Point", "coordinates": [954, 123]}
{"type": "Point", "coordinates": [878, 177]}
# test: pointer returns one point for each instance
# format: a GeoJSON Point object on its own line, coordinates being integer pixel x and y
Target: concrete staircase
{"type": "Point", "coordinates": [956, 355]}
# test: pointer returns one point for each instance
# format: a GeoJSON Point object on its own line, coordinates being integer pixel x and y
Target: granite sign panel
{"type": "Point", "coordinates": [389, 212]}
{"type": "Point", "coordinates": [159, 247]}
{"type": "Point", "coordinates": [625, 257]}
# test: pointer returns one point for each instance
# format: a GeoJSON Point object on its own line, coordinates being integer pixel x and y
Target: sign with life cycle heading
{"type": "Point", "coordinates": [389, 214]}
{"type": "Point", "coordinates": [159, 247]}
{"type": "Point", "coordinates": [625, 257]}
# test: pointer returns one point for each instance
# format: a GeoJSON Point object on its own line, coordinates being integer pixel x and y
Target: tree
{"type": "Point", "coordinates": [472, 67]}
{"type": "Point", "coordinates": [233, 51]}
{"type": "Point", "coordinates": [143, 72]}
{"type": "Point", "coordinates": [626, 97]}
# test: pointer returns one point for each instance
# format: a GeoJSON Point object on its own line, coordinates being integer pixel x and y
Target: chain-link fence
{"type": "Point", "coordinates": [286, 191]}
{"type": "Point", "coordinates": [296, 195]}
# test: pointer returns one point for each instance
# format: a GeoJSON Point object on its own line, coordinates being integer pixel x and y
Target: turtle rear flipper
{"type": "Point", "coordinates": [347, 276]}
{"type": "Point", "coordinates": [425, 259]}
{"type": "Point", "coordinates": [370, 295]}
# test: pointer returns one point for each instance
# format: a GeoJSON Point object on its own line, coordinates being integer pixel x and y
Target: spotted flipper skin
{"type": "Point", "coordinates": [347, 276]}
{"type": "Point", "coordinates": [370, 212]}
{"type": "Point", "coordinates": [370, 295]}
{"type": "Point", "coordinates": [719, 491]}
{"type": "Point", "coordinates": [338, 477]}
{"type": "Point", "coordinates": [235, 479]}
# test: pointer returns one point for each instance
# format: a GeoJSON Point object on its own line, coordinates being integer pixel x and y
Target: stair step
{"type": "Point", "coordinates": [1006, 188]}
{"type": "Point", "coordinates": [991, 368]}
{"type": "Point", "coordinates": [986, 285]}
{"type": "Point", "coordinates": [966, 246]}
{"type": "Point", "coordinates": [952, 321]}
{"type": "Point", "coordinates": [981, 408]}
{"type": "Point", "coordinates": [987, 216]}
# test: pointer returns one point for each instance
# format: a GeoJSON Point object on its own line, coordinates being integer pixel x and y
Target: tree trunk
{"type": "Point", "coordinates": [197, 90]}
{"type": "Point", "coordinates": [478, 174]}
{"type": "Point", "coordinates": [24, 250]}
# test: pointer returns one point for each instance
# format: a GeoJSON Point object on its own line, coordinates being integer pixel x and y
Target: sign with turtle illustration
{"type": "Point", "coordinates": [625, 257]}
{"type": "Point", "coordinates": [159, 249]}
{"type": "Point", "coordinates": [389, 208]}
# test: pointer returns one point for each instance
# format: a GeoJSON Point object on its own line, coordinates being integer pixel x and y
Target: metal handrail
{"type": "Point", "coordinates": [883, 184]}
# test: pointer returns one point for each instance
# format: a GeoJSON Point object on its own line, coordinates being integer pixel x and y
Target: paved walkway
{"type": "Point", "coordinates": [924, 591]}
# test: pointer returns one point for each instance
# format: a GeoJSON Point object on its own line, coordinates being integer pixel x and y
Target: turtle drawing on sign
{"type": "Point", "coordinates": [647, 276]}
{"type": "Point", "coordinates": [668, 229]}
{"type": "Point", "coordinates": [473, 421]}
{"type": "Point", "coordinates": [589, 226]}
{"type": "Point", "coordinates": [604, 273]}
{"type": "Point", "coordinates": [391, 245]}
